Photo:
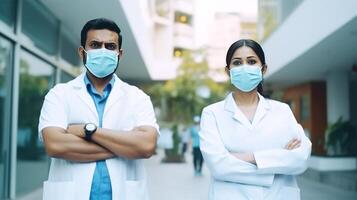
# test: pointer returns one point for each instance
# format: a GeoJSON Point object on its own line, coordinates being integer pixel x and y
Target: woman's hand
{"type": "Point", "coordinates": [247, 157]}
{"type": "Point", "coordinates": [293, 144]}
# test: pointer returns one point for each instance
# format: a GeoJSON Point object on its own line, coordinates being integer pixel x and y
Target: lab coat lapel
{"type": "Point", "coordinates": [231, 106]}
{"type": "Point", "coordinates": [115, 95]}
{"type": "Point", "coordinates": [262, 109]}
{"type": "Point", "coordinates": [81, 91]}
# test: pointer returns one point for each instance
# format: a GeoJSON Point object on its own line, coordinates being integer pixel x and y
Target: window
{"type": "Point", "coordinates": [65, 77]}
{"type": "Point", "coordinates": [304, 107]}
{"type": "Point", "coordinates": [183, 18]}
{"type": "Point", "coordinates": [178, 52]}
{"type": "Point", "coordinates": [5, 65]}
{"type": "Point", "coordinates": [40, 26]}
{"type": "Point", "coordinates": [8, 12]}
{"type": "Point", "coordinates": [69, 51]}
{"type": "Point", "coordinates": [36, 78]}
{"type": "Point", "coordinates": [291, 105]}
{"type": "Point", "coordinates": [162, 7]}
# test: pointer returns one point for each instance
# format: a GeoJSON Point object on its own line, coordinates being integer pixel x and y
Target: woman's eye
{"type": "Point", "coordinates": [236, 62]}
{"type": "Point", "coordinates": [252, 62]}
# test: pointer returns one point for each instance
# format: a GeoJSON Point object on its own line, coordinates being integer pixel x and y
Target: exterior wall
{"type": "Point", "coordinates": [36, 52]}
{"type": "Point", "coordinates": [308, 103]}
{"type": "Point", "coordinates": [353, 104]}
{"type": "Point", "coordinates": [226, 28]}
{"type": "Point", "coordinates": [271, 13]}
{"type": "Point", "coordinates": [338, 104]}
{"type": "Point", "coordinates": [183, 26]}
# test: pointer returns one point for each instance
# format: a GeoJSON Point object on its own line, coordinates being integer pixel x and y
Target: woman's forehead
{"type": "Point", "coordinates": [244, 52]}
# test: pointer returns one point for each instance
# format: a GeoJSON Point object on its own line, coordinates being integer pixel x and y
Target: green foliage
{"type": "Point", "coordinates": [178, 97]}
{"type": "Point", "coordinates": [340, 138]}
{"type": "Point", "coordinates": [179, 100]}
{"type": "Point", "coordinates": [176, 141]}
{"type": "Point", "coordinates": [32, 92]}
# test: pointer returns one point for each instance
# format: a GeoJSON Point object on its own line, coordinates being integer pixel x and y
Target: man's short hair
{"type": "Point", "coordinates": [97, 24]}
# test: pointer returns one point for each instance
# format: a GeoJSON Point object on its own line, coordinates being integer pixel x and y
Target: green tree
{"type": "Point", "coordinates": [32, 92]}
{"type": "Point", "coordinates": [179, 99]}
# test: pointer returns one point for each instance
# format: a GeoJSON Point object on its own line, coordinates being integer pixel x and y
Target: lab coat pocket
{"type": "Point", "coordinates": [135, 185]}
{"type": "Point", "coordinates": [291, 193]}
{"type": "Point", "coordinates": [136, 190]}
{"type": "Point", "coordinates": [232, 191]}
{"type": "Point", "coordinates": [58, 190]}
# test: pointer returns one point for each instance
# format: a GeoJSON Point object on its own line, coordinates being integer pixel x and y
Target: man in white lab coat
{"type": "Point", "coordinates": [97, 127]}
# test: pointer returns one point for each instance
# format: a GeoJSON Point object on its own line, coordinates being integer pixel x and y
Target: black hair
{"type": "Point", "coordinates": [97, 24]}
{"type": "Point", "coordinates": [254, 46]}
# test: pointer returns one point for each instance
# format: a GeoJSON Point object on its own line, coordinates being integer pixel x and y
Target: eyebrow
{"type": "Point", "coordinates": [241, 58]}
{"type": "Point", "coordinates": [108, 42]}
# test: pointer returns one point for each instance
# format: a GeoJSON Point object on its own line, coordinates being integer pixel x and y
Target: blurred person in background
{"type": "Point", "coordinates": [185, 138]}
{"type": "Point", "coordinates": [253, 146]}
{"type": "Point", "coordinates": [97, 127]}
{"type": "Point", "coordinates": [195, 140]}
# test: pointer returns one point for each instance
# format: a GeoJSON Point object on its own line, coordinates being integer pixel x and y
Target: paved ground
{"type": "Point", "coordinates": [177, 182]}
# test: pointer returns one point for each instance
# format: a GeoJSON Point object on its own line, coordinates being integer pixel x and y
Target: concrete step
{"type": "Point", "coordinates": [346, 180]}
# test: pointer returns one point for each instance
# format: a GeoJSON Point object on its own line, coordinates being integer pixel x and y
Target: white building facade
{"type": "Point", "coordinates": [312, 59]}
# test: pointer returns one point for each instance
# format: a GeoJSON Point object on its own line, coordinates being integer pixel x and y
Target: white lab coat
{"type": "Point", "coordinates": [225, 129]}
{"type": "Point", "coordinates": [70, 103]}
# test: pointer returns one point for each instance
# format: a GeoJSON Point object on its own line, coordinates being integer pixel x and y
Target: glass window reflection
{"type": "Point", "coordinates": [65, 77]}
{"type": "Point", "coordinates": [5, 62]}
{"type": "Point", "coordinates": [40, 26]}
{"type": "Point", "coordinates": [36, 78]}
{"type": "Point", "coordinates": [69, 51]}
{"type": "Point", "coordinates": [8, 12]}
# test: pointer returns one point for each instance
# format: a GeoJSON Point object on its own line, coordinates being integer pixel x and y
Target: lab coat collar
{"type": "Point", "coordinates": [237, 114]}
{"type": "Point", "coordinates": [116, 93]}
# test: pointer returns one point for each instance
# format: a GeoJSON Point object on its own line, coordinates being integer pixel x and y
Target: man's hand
{"type": "Point", "coordinates": [76, 129]}
{"type": "Point", "coordinates": [61, 143]}
{"type": "Point", "coordinates": [140, 142]}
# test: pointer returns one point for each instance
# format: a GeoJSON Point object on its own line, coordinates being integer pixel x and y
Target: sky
{"type": "Point", "coordinates": [205, 9]}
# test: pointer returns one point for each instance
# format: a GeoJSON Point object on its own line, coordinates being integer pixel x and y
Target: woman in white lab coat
{"type": "Point", "coordinates": [253, 146]}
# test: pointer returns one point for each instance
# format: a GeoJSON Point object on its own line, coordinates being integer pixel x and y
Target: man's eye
{"type": "Point", "coordinates": [111, 46]}
{"type": "Point", "coordinates": [94, 45]}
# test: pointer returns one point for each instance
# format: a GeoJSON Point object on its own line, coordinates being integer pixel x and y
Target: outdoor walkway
{"type": "Point", "coordinates": [177, 182]}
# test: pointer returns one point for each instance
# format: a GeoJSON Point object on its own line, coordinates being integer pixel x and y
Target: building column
{"type": "Point", "coordinates": [338, 101]}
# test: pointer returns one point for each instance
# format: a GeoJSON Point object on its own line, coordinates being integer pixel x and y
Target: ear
{"type": "Point", "coordinates": [121, 52]}
{"type": "Point", "coordinates": [80, 51]}
{"type": "Point", "coordinates": [264, 69]}
{"type": "Point", "coordinates": [227, 71]}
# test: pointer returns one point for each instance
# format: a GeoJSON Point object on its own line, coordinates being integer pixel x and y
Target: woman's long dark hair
{"type": "Point", "coordinates": [255, 47]}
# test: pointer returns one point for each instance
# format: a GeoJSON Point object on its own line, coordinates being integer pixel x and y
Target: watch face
{"type": "Point", "coordinates": [90, 127]}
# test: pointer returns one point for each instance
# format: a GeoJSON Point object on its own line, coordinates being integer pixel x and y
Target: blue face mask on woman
{"type": "Point", "coordinates": [101, 62]}
{"type": "Point", "coordinates": [246, 77]}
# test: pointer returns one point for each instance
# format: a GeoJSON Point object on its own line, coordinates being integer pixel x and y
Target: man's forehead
{"type": "Point", "coordinates": [102, 35]}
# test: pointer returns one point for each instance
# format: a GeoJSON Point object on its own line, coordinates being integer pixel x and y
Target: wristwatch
{"type": "Point", "coordinates": [89, 130]}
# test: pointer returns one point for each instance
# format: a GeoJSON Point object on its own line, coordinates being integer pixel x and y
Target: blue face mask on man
{"type": "Point", "coordinates": [101, 62]}
{"type": "Point", "coordinates": [246, 77]}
